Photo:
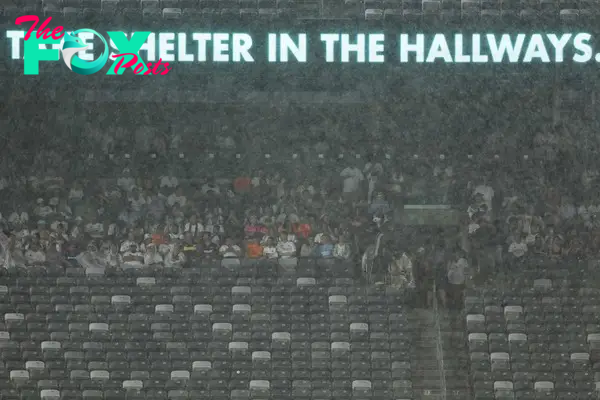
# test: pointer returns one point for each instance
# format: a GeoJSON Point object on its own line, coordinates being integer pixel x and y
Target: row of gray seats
{"type": "Point", "coordinates": [530, 343]}
{"type": "Point", "coordinates": [173, 336]}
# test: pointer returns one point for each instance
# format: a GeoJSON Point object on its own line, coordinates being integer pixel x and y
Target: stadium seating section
{"type": "Point", "coordinates": [370, 10]}
{"type": "Point", "coordinates": [156, 334]}
{"type": "Point", "coordinates": [536, 339]}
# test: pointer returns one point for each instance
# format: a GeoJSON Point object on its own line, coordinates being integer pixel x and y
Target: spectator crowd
{"type": "Point", "coordinates": [281, 214]}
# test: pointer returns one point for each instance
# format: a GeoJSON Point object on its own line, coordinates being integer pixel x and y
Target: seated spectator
{"type": "Point", "coordinates": [175, 258]}
{"type": "Point", "coordinates": [210, 187]}
{"type": "Point", "coordinates": [42, 210]}
{"type": "Point", "coordinates": [208, 248]}
{"type": "Point", "coordinates": [254, 248]}
{"type": "Point", "coordinates": [35, 255]}
{"type": "Point", "coordinates": [58, 234]}
{"type": "Point", "coordinates": [76, 193]}
{"type": "Point", "coordinates": [308, 249]}
{"type": "Point", "coordinates": [285, 247]}
{"type": "Point", "coordinates": [194, 226]}
{"type": "Point", "coordinates": [518, 250]}
{"type": "Point", "coordinates": [132, 256]}
{"type": "Point", "coordinates": [168, 181]}
{"type": "Point", "coordinates": [253, 227]}
{"type": "Point", "coordinates": [190, 248]}
{"type": "Point", "coordinates": [90, 258]}
{"type": "Point", "coordinates": [94, 229]}
{"type": "Point", "coordinates": [342, 249]}
{"type": "Point", "coordinates": [63, 210]}
{"type": "Point", "coordinates": [19, 219]}
{"type": "Point", "coordinates": [325, 248]}
{"type": "Point", "coordinates": [109, 254]}
{"type": "Point", "coordinates": [270, 250]}
{"type": "Point", "coordinates": [575, 245]}
{"type": "Point", "coordinates": [131, 241]}
{"type": "Point", "coordinates": [172, 231]}
{"type": "Point", "coordinates": [177, 198]}
{"type": "Point", "coordinates": [126, 181]}
{"type": "Point", "coordinates": [54, 254]}
{"type": "Point", "coordinates": [152, 257]}
{"type": "Point", "coordinates": [230, 249]}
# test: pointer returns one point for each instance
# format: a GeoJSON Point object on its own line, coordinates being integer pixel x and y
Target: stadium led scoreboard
{"type": "Point", "coordinates": [303, 52]}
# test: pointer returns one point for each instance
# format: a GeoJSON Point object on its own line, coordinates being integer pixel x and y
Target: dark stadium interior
{"type": "Point", "coordinates": [301, 231]}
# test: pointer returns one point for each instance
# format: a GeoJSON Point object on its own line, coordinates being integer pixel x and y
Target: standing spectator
{"type": "Point", "coordinates": [457, 278]}
{"type": "Point", "coordinates": [486, 191]}
{"type": "Point", "coordinates": [352, 179]}
{"type": "Point", "coordinates": [401, 272]}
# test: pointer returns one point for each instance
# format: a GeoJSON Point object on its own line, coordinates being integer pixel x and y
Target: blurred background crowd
{"type": "Point", "coordinates": [170, 195]}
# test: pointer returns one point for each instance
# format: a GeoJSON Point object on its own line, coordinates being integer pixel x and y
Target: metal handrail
{"type": "Point", "coordinates": [439, 345]}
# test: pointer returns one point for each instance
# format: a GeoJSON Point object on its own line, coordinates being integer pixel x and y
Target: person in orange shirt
{"type": "Point", "coordinates": [253, 248]}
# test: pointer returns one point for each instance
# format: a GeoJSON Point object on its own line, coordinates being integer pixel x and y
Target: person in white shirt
{"type": "Point", "coordinates": [342, 250]}
{"type": "Point", "coordinates": [270, 250]}
{"type": "Point", "coordinates": [486, 192]}
{"type": "Point", "coordinates": [152, 257]}
{"type": "Point", "coordinates": [286, 248]}
{"type": "Point", "coordinates": [34, 255]}
{"type": "Point", "coordinates": [352, 177]}
{"type": "Point", "coordinates": [18, 218]}
{"type": "Point", "coordinates": [230, 249]}
{"type": "Point", "coordinates": [76, 192]}
{"type": "Point", "coordinates": [177, 198]}
{"type": "Point", "coordinates": [194, 226]}
{"type": "Point", "coordinates": [132, 257]}
{"type": "Point", "coordinates": [126, 245]}
{"type": "Point", "coordinates": [95, 229]}
{"type": "Point", "coordinates": [175, 258]}
{"type": "Point", "coordinates": [110, 254]}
